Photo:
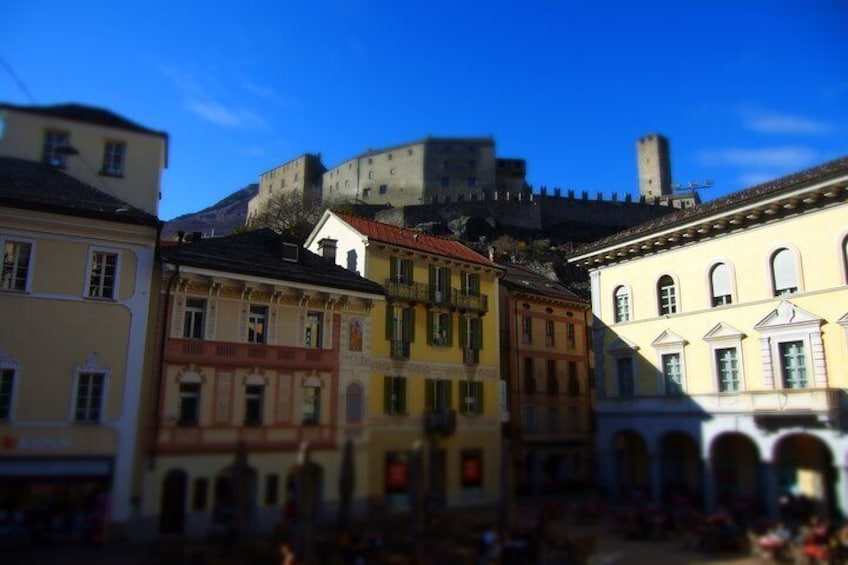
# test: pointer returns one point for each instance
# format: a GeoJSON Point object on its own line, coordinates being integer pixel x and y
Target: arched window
{"type": "Point", "coordinates": [845, 258]}
{"type": "Point", "coordinates": [783, 273]}
{"type": "Point", "coordinates": [720, 285]}
{"type": "Point", "coordinates": [622, 304]}
{"type": "Point", "coordinates": [666, 295]}
{"type": "Point", "coordinates": [353, 403]}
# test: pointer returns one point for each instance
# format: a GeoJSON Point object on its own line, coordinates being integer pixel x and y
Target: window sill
{"type": "Point", "coordinates": [100, 298]}
{"type": "Point", "coordinates": [111, 175]}
{"type": "Point", "coordinates": [14, 290]}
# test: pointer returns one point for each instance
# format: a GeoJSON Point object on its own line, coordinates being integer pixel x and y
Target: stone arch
{"type": "Point", "coordinates": [632, 466]}
{"type": "Point", "coordinates": [804, 465]}
{"type": "Point", "coordinates": [736, 468]}
{"type": "Point", "coordinates": [681, 467]}
{"type": "Point", "coordinates": [172, 509]}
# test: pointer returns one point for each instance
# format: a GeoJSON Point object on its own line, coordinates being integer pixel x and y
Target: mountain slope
{"type": "Point", "coordinates": [219, 219]}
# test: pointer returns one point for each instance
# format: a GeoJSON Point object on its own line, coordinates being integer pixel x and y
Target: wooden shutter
{"type": "Point", "coordinates": [463, 394]}
{"type": "Point", "coordinates": [387, 394]}
{"type": "Point", "coordinates": [389, 317]}
{"type": "Point", "coordinates": [430, 327]}
{"type": "Point", "coordinates": [449, 332]}
{"type": "Point", "coordinates": [410, 324]}
{"type": "Point", "coordinates": [448, 394]}
{"type": "Point", "coordinates": [429, 394]}
{"type": "Point", "coordinates": [407, 270]}
{"type": "Point", "coordinates": [475, 285]}
{"type": "Point", "coordinates": [479, 333]}
{"type": "Point", "coordinates": [478, 395]}
{"type": "Point", "coordinates": [393, 269]}
{"type": "Point", "coordinates": [463, 287]}
{"type": "Point", "coordinates": [400, 389]}
{"type": "Point", "coordinates": [463, 331]}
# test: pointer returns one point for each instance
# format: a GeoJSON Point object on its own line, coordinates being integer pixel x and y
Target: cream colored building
{"type": "Point", "coordinates": [265, 344]}
{"type": "Point", "coordinates": [721, 343]}
{"type": "Point", "coordinates": [93, 145]}
{"type": "Point", "coordinates": [76, 278]}
{"type": "Point", "coordinates": [434, 390]}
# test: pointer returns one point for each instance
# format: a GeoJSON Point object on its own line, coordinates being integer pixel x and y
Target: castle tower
{"type": "Point", "coordinates": [654, 166]}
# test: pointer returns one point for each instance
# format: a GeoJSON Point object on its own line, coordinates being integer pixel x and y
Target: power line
{"type": "Point", "coordinates": [17, 80]}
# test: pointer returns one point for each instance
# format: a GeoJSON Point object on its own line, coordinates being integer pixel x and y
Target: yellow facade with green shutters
{"type": "Point", "coordinates": [435, 379]}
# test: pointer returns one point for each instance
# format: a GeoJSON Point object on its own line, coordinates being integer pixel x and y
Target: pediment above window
{"type": "Point", "coordinates": [621, 345]}
{"type": "Point", "coordinates": [787, 314]}
{"type": "Point", "coordinates": [723, 331]}
{"type": "Point", "coordinates": [668, 338]}
{"type": "Point", "coordinates": [843, 321]}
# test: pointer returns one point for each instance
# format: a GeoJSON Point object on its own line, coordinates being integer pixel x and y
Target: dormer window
{"type": "Point", "coordinates": [290, 252]}
{"type": "Point", "coordinates": [55, 148]}
{"type": "Point", "coordinates": [113, 158]}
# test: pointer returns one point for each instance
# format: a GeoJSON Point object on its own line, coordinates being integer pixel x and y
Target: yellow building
{"type": "Point", "coordinates": [720, 340]}
{"type": "Point", "coordinates": [76, 279]}
{"type": "Point", "coordinates": [264, 344]}
{"type": "Point", "coordinates": [435, 367]}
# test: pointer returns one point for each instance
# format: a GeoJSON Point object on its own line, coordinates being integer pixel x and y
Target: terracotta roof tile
{"type": "Point", "coordinates": [413, 239]}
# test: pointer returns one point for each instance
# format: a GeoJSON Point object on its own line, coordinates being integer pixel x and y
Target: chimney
{"type": "Point", "coordinates": [327, 248]}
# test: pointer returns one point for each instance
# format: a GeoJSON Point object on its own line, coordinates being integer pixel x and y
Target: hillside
{"type": "Point", "coordinates": [219, 219]}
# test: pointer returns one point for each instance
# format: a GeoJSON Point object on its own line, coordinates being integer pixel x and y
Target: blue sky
{"type": "Point", "coordinates": [746, 90]}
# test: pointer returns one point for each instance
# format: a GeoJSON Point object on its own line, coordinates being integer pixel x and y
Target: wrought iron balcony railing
{"type": "Point", "coordinates": [400, 349]}
{"type": "Point", "coordinates": [471, 356]}
{"type": "Point", "coordinates": [440, 422]}
{"type": "Point", "coordinates": [427, 294]}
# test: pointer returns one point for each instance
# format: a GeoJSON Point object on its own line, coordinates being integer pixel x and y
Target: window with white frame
{"type": "Point", "coordinates": [256, 324]}
{"type": "Point", "coordinates": [394, 395]}
{"type": "Point", "coordinates": [793, 364]}
{"type": "Point", "coordinates": [670, 360]}
{"type": "Point", "coordinates": [438, 395]}
{"type": "Point", "coordinates": [88, 404]}
{"type": "Point", "coordinates": [254, 402]}
{"type": "Point", "coordinates": [15, 268]}
{"type": "Point", "coordinates": [784, 273]}
{"type": "Point", "coordinates": [56, 144]}
{"type": "Point", "coordinates": [624, 376]}
{"type": "Point", "coordinates": [720, 285]}
{"type": "Point", "coordinates": [195, 310]}
{"type": "Point", "coordinates": [791, 339]}
{"type": "Point", "coordinates": [666, 295]}
{"type": "Point", "coordinates": [622, 304]}
{"type": "Point", "coordinates": [440, 279]}
{"type": "Point", "coordinates": [400, 270]}
{"type": "Point", "coordinates": [311, 406]}
{"type": "Point", "coordinates": [470, 284]}
{"type": "Point", "coordinates": [672, 374]}
{"type": "Point", "coordinates": [725, 343]}
{"type": "Point", "coordinates": [189, 404]}
{"type": "Point", "coordinates": [727, 368]}
{"type": "Point", "coordinates": [314, 330]}
{"type": "Point", "coordinates": [441, 328]}
{"type": "Point", "coordinates": [7, 389]}
{"type": "Point", "coordinates": [102, 274]}
{"type": "Point", "coordinates": [470, 398]}
{"type": "Point", "coordinates": [113, 158]}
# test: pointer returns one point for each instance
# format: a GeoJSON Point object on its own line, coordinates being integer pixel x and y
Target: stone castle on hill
{"type": "Point", "coordinates": [440, 179]}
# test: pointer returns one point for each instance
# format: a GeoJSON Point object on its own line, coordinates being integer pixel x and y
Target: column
{"type": "Point", "coordinates": [771, 489]}
{"type": "Point", "coordinates": [656, 478]}
{"type": "Point", "coordinates": [708, 485]}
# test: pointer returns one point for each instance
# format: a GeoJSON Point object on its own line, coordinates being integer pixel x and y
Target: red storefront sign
{"type": "Point", "coordinates": [397, 475]}
{"type": "Point", "coordinates": [472, 470]}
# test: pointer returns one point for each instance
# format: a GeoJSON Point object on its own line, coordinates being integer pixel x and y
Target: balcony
{"type": "Point", "coordinates": [400, 349]}
{"type": "Point", "coordinates": [426, 294]}
{"type": "Point", "coordinates": [248, 354]}
{"type": "Point", "coordinates": [827, 402]}
{"type": "Point", "coordinates": [471, 356]}
{"type": "Point", "coordinates": [440, 422]}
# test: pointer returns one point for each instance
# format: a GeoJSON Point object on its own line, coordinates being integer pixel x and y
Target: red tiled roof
{"type": "Point", "coordinates": [413, 239]}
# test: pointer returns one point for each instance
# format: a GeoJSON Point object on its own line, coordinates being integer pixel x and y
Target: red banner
{"type": "Point", "coordinates": [397, 475]}
{"type": "Point", "coordinates": [472, 470]}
